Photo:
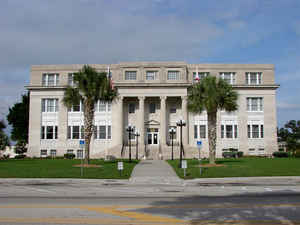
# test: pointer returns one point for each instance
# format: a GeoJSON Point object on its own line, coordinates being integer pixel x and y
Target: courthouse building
{"type": "Point", "coordinates": [152, 98]}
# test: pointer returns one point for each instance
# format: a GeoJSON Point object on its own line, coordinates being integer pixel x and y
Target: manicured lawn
{"type": "Point", "coordinates": [242, 167]}
{"type": "Point", "coordinates": [62, 168]}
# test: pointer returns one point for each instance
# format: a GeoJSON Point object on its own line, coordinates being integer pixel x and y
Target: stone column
{"type": "Point", "coordinates": [163, 120]}
{"type": "Point", "coordinates": [141, 120]}
{"type": "Point", "coordinates": [117, 121]}
{"type": "Point", "coordinates": [185, 135]}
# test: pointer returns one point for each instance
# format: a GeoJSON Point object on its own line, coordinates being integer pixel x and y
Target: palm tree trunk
{"type": "Point", "coordinates": [212, 135]}
{"type": "Point", "coordinates": [88, 127]}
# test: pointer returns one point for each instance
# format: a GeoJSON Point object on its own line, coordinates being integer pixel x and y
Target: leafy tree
{"type": "Point", "coordinates": [21, 147]}
{"type": "Point", "coordinates": [4, 140]}
{"type": "Point", "coordinates": [290, 133]}
{"type": "Point", "coordinates": [18, 118]}
{"type": "Point", "coordinates": [90, 86]}
{"type": "Point", "coordinates": [212, 95]}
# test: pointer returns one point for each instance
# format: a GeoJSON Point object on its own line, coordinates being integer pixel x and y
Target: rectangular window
{"type": "Point", "coordinates": [262, 131]}
{"type": "Point", "coordinates": [253, 78]}
{"type": "Point", "coordinates": [43, 132]}
{"type": "Point", "coordinates": [130, 75]}
{"type": "Point", "coordinates": [102, 106]}
{"type": "Point", "coordinates": [152, 107]}
{"type": "Point", "coordinates": [173, 75]}
{"type": "Point", "coordinates": [203, 131]}
{"type": "Point", "coordinates": [229, 77]}
{"type": "Point", "coordinates": [235, 131]}
{"type": "Point", "coordinates": [249, 131]}
{"type": "Point", "coordinates": [131, 108]}
{"type": "Point", "coordinates": [49, 132]}
{"type": "Point", "coordinates": [173, 109]}
{"type": "Point", "coordinates": [79, 154]}
{"type": "Point", "coordinates": [50, 79]}
{"type": "Point", "coordinates": [69, 132]}
{"type": "Point", "coordinates": [109, 132]}
{"type": "Point", "coordinates": [43, 153]}
{"type": "Point", "coordinates": [53, 153]}
{"type": "Point", "coordinates": [109, 107]}
{"type": "Point", "coordinates": [70, 151]}
{"type": "Point", "coordinates": [95, 132]}
{"type": "Point", "coordinates": [195, 132]}
{"type": "Point", "coordinates": [49, 105]}
{"type": "Point", "coordinates": [81, 132]}
{"type": "Point", "coordinates": [255, 131]}
{"type": "Point", "coordinates": [71, 79]}
{"type": "Point", "coordinates": [151, 75]}
{"type": "Point", "coordinates": [229, 131]}
{"type": "Point", "coordinates": [75, 132]}
{"type": "Point", "coordinates": [102, 132]}
{"type": "Point", "coordinates": [255, 104]}
{"type": "Point", "coordinates": [201, 75]}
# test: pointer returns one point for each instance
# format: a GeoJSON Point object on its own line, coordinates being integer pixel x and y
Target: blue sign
{"type": "Point", "coordinates": [199, 143]}
{"type": "Point", "coordinates": [81, 142]}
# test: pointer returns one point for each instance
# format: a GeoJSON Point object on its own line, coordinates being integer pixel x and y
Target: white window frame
{"type": "Point", "coordinates": [151, 75]}
{"type": "Point", "coordinates": [43, 135]}
{"type": "Point", "coordinates": [234, 132]}
{"type": "Point", "coordinates": [201, 75]}
{"type": "Point", "coordinates": [258, 79]}
{"type": "Point", "coordinates": [130, 75]}
{"type": "Point", "coordinates": [260, 102]}
{"type": "Point", "coordinates": [261, 128]}
{"type": "Point", "coordinates": [232, 76]}
{"type": "Point", "coordinates": [70, 132]}
{"type": "Point", "coordinates": [173, 75]}
{"type": "Point", "coordinates": [80, 108]}
{"type": "Point", "coordinates": [199, 133]}
{"type": "Point", "coordinates": [42, 153]}
{"type": "Point", "coordinates": [45, 79]}
{"type": "Point", "coordinates": [53, 153]}
{"type": "Point", "coordinates": [46, 104]}
{"type": "Point", "coordinates": [71, 79]}
{"type": "Point", "coordinates": [108, 132]}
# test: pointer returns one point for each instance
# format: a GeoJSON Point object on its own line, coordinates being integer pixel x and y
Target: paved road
{"type": "Point", "coordinates": [151, 197]}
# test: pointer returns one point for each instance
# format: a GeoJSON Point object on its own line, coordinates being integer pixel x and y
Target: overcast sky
{"type": "Point", "coordinates": [110, 31]}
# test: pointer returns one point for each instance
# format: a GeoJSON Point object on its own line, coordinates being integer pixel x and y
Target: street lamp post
{"type": "Point", "coordinates": [181, 123]}
{"type": "Point", "coordinates": [137, 134]}
{"type": "Point", "coordinates": [130, 130]}
{"type": "Point", "coordinates": [172, 132]}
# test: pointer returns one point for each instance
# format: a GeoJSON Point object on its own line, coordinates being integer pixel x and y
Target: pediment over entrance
{"type": "Point", "coordinates": [152, 122]}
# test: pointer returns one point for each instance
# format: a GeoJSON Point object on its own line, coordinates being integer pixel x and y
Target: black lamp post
{"type": "Point", "coordinates": [181, 123]}
{"type": "Point", "coordinates": [172, 132]}
{"type": "Point", "coordinates": [130, 130]}
{"type": "Point", "coordinates": [137, 134]}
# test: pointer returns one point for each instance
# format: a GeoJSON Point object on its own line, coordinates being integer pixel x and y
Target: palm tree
{"type": "Point", "coordinates": [212, 95]}
{"type": "Point", "coordinates": [90, 86]}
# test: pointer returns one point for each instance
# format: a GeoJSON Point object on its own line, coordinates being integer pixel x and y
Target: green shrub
{"type": "Point", "coordinates": [20, 156]}
{"type": "Point", "coordinates": [281, 154]}
{"type": "Point", "coordinates": [297, 154]}
{"type": "Point", "coordinates": [69, 156]}
{"type": "Point", "coordinates": [229, 154]}
{"type": "Point", "coordinates": [240, 154]}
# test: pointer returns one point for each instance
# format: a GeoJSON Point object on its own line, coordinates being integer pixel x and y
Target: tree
{"type": "Point", "coordinates": [4, 140]}
{"type": "Point", "coordinates": [90, 86]}
{"type": "Point", "coordinates": [290, 133]}
{"type": "Point", "coordinates": [18, 118]}
{"type": "Point", "coordinates": [212, 95]}
{"type": "Point", "coordinates": [21, 147]}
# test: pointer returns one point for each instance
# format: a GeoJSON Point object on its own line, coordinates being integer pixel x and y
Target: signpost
{"type": "Point", "coordinates": [184, 167]}
{"type": "Point", "coordinates": [81, 146]}
{"type": "Point", "coordinates": [199, 146]}
{"type": "Point", "coordinates": [120, 167]}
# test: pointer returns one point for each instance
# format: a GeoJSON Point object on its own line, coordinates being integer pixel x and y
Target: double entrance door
{"type": "Point", "coordinates": [152, 136]}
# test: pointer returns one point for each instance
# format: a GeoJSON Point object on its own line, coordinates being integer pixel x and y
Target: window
{"type": "Point", "coordinates": [151, 75]}
{"type": "Point", "coordinates": [173, 75]}
{"type": "Point", "coordinates": [255, 131]}
{"type": "Point", "coordinates": [75, 132]}
{"type": "Point", "coordinates": [79, 154]}
{"type": "Point", "coordinates": [229, 77]}
{"type": "Point", "coordinates": [229, 131]}
{"type": "Point", "coordinates": [49, 132]}
{"type": "Point", "coordinates": [76, 108]}
{"type": "Point", "coordinates": [131, 108]}
{"type": "Point", "coordinates": [50, 79]}
{"type": "Point", "coordinates": [152, 107]}
{"type": "Point", "coordinates": [49, 105]}
{"type": "Point", "coordinates": [43, 153]}
{"type": "Point", "coordinates": [201, 75]}
{"type": "Point", "coordinates": [102, 106]}
{"type": "Point", "coordinates": [53, 153]}
{"type": "Point", "coordinates": [195, 132]}
{"type": "Point", "coordinates": [130, 75]}
{"type": "Point", "coordinates": [71, 79]}
{"type": "Point", "coordinates": [203, 131]}
{"type": "Point", "coordinates": [255, 104]}
{"type": "Point", "coordinates": [102, 132]}
{"type": "Point", "coordinates": [173, 109]}
{"type": "Point", "coordinates": [109, 132]}
{"type": "Point", "coordinates": [109, 107]}
{"type": "Point", "coordinates": [253, 78]}
{"type": "Point", "coordinates": [70, 151]}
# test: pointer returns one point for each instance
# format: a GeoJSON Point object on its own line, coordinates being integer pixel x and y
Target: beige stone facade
{"type": "Point", "coordinates": [152, 97]}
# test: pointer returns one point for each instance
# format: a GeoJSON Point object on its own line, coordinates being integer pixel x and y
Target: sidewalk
{"type": "Point", "coordinates": [154, 171]}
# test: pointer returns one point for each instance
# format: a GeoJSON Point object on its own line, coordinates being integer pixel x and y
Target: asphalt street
{"type": "Point", "coordinates": [200, 201]}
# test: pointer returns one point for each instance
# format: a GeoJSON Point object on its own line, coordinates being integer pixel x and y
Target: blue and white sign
{"type": "Point", "coordinates": [199, 143]}
{"type": "Point", "coordinates": [81, 144]}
